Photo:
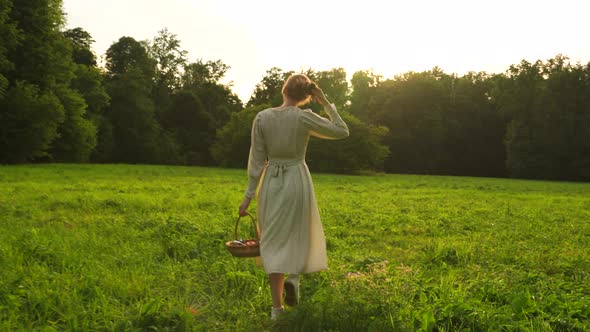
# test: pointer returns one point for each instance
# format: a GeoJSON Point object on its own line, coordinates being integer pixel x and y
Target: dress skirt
{"type": "Point", "coordinates": [291, 235]}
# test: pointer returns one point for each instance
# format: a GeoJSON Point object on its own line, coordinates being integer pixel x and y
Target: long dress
{"type": "Point", "coordinates": [291, 234]}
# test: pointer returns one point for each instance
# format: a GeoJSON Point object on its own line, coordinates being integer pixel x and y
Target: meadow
{"type": "Point", "coordinates": [140, 248]}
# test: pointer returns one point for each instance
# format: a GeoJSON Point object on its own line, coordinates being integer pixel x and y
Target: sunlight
{"type": "Point", "coordinates": [389, 36]}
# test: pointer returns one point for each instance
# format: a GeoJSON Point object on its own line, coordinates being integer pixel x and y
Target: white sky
{"type": "Point", "coordinates": [389, 37]}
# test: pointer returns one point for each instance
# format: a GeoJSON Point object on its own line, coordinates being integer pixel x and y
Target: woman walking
{"type": "Point", "coordinates": [291, 236]}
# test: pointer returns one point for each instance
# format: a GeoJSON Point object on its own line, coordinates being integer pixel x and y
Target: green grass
{"type": "Point", "coordinates": [123, 248]}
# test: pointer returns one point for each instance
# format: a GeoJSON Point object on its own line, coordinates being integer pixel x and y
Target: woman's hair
{"type": "Point", "coordinates": [299, 88]}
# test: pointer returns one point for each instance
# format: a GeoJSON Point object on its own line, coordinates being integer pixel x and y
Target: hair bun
{"type": "Point", "coordinates": [299, 88]}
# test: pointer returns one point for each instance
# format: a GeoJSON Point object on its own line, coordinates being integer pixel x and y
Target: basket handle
{"type": "Point", "coordinates": [253, 222]}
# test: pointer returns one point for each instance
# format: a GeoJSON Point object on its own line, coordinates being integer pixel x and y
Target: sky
{"type": "Point", "coordinates": [388, 37]}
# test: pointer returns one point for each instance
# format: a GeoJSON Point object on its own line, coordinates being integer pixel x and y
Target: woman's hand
{"type": "Point", "coordinates": [244, 206]}
{"type": "Point", "coordinates": [319, 96]}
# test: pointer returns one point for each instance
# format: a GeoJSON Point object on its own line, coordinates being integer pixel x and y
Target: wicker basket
{"type": "Point", "coordinates": [244, 248]}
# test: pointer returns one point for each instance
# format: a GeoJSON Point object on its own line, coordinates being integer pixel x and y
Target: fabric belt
{"type": "Point", "coordinates": [277, 167]}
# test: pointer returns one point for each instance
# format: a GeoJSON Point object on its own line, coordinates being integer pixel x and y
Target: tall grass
{"type": "Point", "coordinates": [136, 248]}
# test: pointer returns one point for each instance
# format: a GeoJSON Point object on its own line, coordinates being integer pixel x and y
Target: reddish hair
{"type": "Point", "coordinates": [299, 88]}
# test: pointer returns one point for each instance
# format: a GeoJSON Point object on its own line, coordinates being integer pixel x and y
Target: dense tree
{"type": "Point", "coordinates": [88, 78]}
{"type": "Point", "coordinates": [439, 123]}
{"type": "Point", "coordinates": [151, 105]}
{"type": "Point", "coordinates": [475, 128]}
{"type": "Point", "coordinates": [41, 67]}
{"type": "Point", "coordinates": [42, 55]}
{"type": "Point", "coordinates": [29, 119]}
{"type": "Point", "coordinates": [77, 135]}
{"type": "Point", "coordinates": [268, 90]}
{"type": "Point", "coordinates": [9, 37]}
{"type": "Point", "coordinates": [155, 93]}
{"type": "Point", "coordinates": [81, 42]}
{"type": "Point", "coordinates": [220, 102]}
{"type": "Point", "coordinates": [169, 59]}
{"type": "Point", "coordinates": [131, 114]}
{"type": "Point", "coordinates": [411, 106]}
{"type": "Point", "coordinates": [193, 128]}
{"type": "Point", "coordinates": [135, 131]}
{"type": "Point", "coordinates": [89, 102]}
{"type": "Point", "coordinates": [199, 73]}
{"type": "Point", "coordinates": [334, 84]}
{"type": "Point", "coordinates": [190, 102]}
{"type": "Point", "coordinates": [567, 98]}
{"type": "Point", "coordinates": [363, 85]}
{"type": "Point", "coordinates": [361, 151]}
{"type": "Point", "coordinates": [232, 142]}
{"type": "Point", "coordinates": [203, 79]}
{"type": "Point", "coordinates": [548, 104]}
{"type": "Point", "coordinates": [127, 55]}
{"type": "Point", "coordinates": [88, 81]}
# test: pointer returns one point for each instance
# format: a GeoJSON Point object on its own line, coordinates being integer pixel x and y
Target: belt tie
{"type": "Point", "coordinates": [279, 167]}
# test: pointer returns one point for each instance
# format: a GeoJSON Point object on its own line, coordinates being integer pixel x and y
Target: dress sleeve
{"type": "Point", "coordinates": [257, 158]}
{"type": "Point", "coordinates": [333, 128]}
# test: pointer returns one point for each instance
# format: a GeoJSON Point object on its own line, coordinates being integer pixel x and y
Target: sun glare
{"type": "Point", "coordinates": [390, 37]}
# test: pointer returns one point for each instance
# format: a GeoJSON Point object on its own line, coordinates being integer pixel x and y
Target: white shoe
{"type": "Point", "coordinates": [292, 290]}
{"type": "Point", "coordinates": [276, 312]}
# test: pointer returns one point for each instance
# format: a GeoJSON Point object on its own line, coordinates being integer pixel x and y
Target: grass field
{"type": "Point", "coordinates": [123, 248]}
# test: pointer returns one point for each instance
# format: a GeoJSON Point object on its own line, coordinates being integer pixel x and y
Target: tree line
{"type": "Point", "coordinates": [150, 104]}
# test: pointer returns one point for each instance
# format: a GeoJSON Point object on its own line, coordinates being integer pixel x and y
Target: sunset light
{"type": "Point", "coordinates": [309, 165]}
{"type": "Point", "coordinates": [390, 37]}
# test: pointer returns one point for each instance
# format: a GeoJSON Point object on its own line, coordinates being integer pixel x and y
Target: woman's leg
{"type": "Point", "coordinates": [276, 289]}
{"type": "Point", "coordinates": [292, 290]}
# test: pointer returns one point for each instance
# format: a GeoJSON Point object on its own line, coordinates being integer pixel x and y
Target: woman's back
{"type": "Point", "coordinates": [283, 137]}
{"type": "Point", "coordinates": [285, 131]}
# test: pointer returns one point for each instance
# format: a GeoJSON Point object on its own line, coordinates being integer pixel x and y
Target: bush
{"type": "Point", "coordinates": [232, 143]}
{"type": "Point", "coordinates": [362, 150]}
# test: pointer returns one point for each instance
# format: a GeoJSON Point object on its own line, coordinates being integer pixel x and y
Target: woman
{"type": "Point", "coordinates": [291, 236]}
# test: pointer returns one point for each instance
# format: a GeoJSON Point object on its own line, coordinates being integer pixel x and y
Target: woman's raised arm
{"type": "Point", "coordinates": [333, 128]}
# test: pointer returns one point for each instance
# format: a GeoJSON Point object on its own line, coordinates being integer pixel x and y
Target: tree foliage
{"type": "Point", "coordinates": [81, 42]}
{"type": "Point", "coordinates": [150, 104]}
{"type": "Point", "coordinates": [268, 90]}
{"type": "Point", "coordinates": [132, 112]}
{"type": "Point", "coordinates": [30, 119]}
{"type": "Point", "coordinates": [549, 107]}
{"type": "Point", "coordinates": [77, 134]}
{"type": "Point", "coordinates": [334, 84]}
{"type": "Point", "coordinates": [232, 142]}
{"type": "Point", "coordinates": [203, 79]}
{"type": "Point", "coordinates": [169, 57]}
{"type": "Point", "coordinates": [88, 81]}
{"type": "Point", "coordinates": [193, 128]}
{"type": "Point", "coordinates": [201, 72]}
{"type": "Point", "coordinates": [36, 63]}
{"type": "Point", "coordinates": [438, 123]}
{"type": "Point", "coordinates": [362, 150]}
{"type": "Point", "coordinates": [9, 37]}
